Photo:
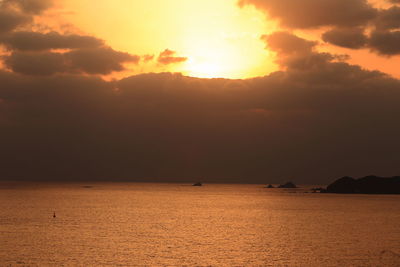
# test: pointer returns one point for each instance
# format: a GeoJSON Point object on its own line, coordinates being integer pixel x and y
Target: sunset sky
{"type": "Point", "coordinates": [121, 90]}
{"type": "Point", "coordinates": [218, 38]}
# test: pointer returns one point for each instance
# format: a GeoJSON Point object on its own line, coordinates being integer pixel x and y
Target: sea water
{"type": "Point", "coordinates": [134, 224]}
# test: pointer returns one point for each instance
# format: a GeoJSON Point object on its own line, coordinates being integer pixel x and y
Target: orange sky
{"type": "Point", "coordinates": [219, 38]}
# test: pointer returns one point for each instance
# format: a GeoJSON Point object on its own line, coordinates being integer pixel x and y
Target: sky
{"type": "Point", "coordinates": [249, 91]}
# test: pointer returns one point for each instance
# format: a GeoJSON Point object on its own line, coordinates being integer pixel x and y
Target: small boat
{"type": "Point", "coordinates": [197, 184]}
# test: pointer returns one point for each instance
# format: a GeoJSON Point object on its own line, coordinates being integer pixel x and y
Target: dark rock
{"type": "Point", "coordinates": [198, 184]}
{"type": "Point", "coordinates": [270, 186]}
{"type": "Point", "coordinates": [366, 185]}
{"type": "Point", "coordinates": [344, 185]}
{"type": "Point", "coordinates": [288, 185]}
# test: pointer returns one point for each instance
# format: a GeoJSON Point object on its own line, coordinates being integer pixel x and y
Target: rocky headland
{"type": "Point", "coordinates": [365, 185]}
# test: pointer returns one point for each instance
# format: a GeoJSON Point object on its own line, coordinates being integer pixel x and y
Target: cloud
{"type": "Point", "coordinates": [99, 60]}
{"type": "Point", "coordinates": [147, 58]}
{"type": "Point", "coordinates": [318, 119]}
{"type": "Point", "coordinates": [388, 19]}
{"type": "Point", "coordinates": [30, 6]}
{"type": "Point", "coordinates": [349, 19]}
{"type": "Point", "coordinates": [287, 43]}
{"type": "Point", "coordinates": [15, 13]}
{"type": "Point", "coordinates": [43, 63]}
{"type": "Point", "coordinates": [32, 53]}
{"type": "Point", "coordinates": [386, 42]}
{"type": "Point", "coordinates": [10, 20]}
{"type": "Point", "coordinates": [31, 41]}
{"type": "Point", "coordinates": [302, 14]}
{"type": "Point", "coordinates": [384, 38]}
{"type": "Point", "coordinates": [353, 38]}
{"type": "Point", "coordinates": [295, 52]}
{"type": "Point", "coordinates": [168, 57]}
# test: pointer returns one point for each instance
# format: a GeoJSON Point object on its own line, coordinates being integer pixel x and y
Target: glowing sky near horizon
{"type": "Point", "coordinates": [219, 38]}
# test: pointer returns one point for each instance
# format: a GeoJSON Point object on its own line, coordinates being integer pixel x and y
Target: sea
{"type": "Point", "coordinates": [145, 224]}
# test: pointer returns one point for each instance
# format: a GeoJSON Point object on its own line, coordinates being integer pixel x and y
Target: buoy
{"type": "Point", "coordinates": [54, 214]}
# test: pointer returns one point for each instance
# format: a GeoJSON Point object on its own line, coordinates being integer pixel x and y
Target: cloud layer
{"type": "Point", "coordinates": [354, 24]}
{"type": "Point", "coordinates": [101, 60]}
{"type": "Point", "coordinates": [15, 13]}
{"type": "Point", "coordinates": [34, 53]}
{"type": "Point", "coordinates": [301, 14]}
{"type": "Point", "coordinates": [353, 38]}
{"type": "Point", "coordinates": [36, 41]}
{"type": "Point", "coordinates": [316, 119]}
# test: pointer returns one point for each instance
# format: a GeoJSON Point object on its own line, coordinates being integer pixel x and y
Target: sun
{"type": "Point", "coordinates": [221, 53]}
{"type": "Point", "coordinates": [205, 69]}
{"type": "Point", "coordinates": [223, 41]}
{"type": "Point", "coordinates": [212, 58]}
{"type": "Point", "coordinates": [226, 58]}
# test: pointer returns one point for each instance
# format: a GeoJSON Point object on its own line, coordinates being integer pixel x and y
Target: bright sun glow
{"type": "Point", "coordinates": [211, 58]}
{"type": "Point", "coordinates": [221, 59]}
{"type": "Point", "coordinates": [218, 38]}
{"type": "Point", "coordinates": [205, 69]}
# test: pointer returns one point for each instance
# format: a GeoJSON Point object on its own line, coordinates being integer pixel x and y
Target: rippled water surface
{"type": "Point", "coordinates": [180, 225]}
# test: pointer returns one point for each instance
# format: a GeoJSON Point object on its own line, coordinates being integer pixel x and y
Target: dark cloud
{"type": "Point", "coordinates": [353, 38]}
{"type": "Point", "coordinates": [317, 120]}
{"type": "Point", "coordinates": [29, 6]}
{"type": "Point", "coordinates": [384, 39]}
{"type": "Point", "coordinates": [30, 41]}
{"type": "Point", "coordinates": [349, 19]}
{"type": "Point", "coordinates": [168, 57]}
{"type": "Point", "coordinates": [102, 60]}
{"type": "Point", "coordinates": [295, 52]}
{"type": "Point", "coordinates": [99, 60]}
{"type": "Point", "coordinates": [43, 63]}
{"type": "Point", "coordinates": [385, 42]}
{"type": "Point", "coordinates": [302, 14]}
{"type": "Point", "coordinates": [15, 13]}
{"type": "Point", "coordinates": [32, 53]}
{"type": "Point", "coordinates": [10, 19]}
{"type": "Point", "coordinates": [287, 43]}
{"type": "Point", "coordinates": [388, 19]}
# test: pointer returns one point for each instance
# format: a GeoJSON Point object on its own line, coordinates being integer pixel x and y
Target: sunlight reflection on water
{"type": "Point", "coordinates": [214, 225]}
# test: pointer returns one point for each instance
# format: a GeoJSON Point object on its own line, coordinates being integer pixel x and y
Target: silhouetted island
{"type": "Point", "coordinates": [366, 185]}
{"type": "Point", "coordinates": [288, 185]}
{"type": "Point", "coordinates": [197, 184]}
